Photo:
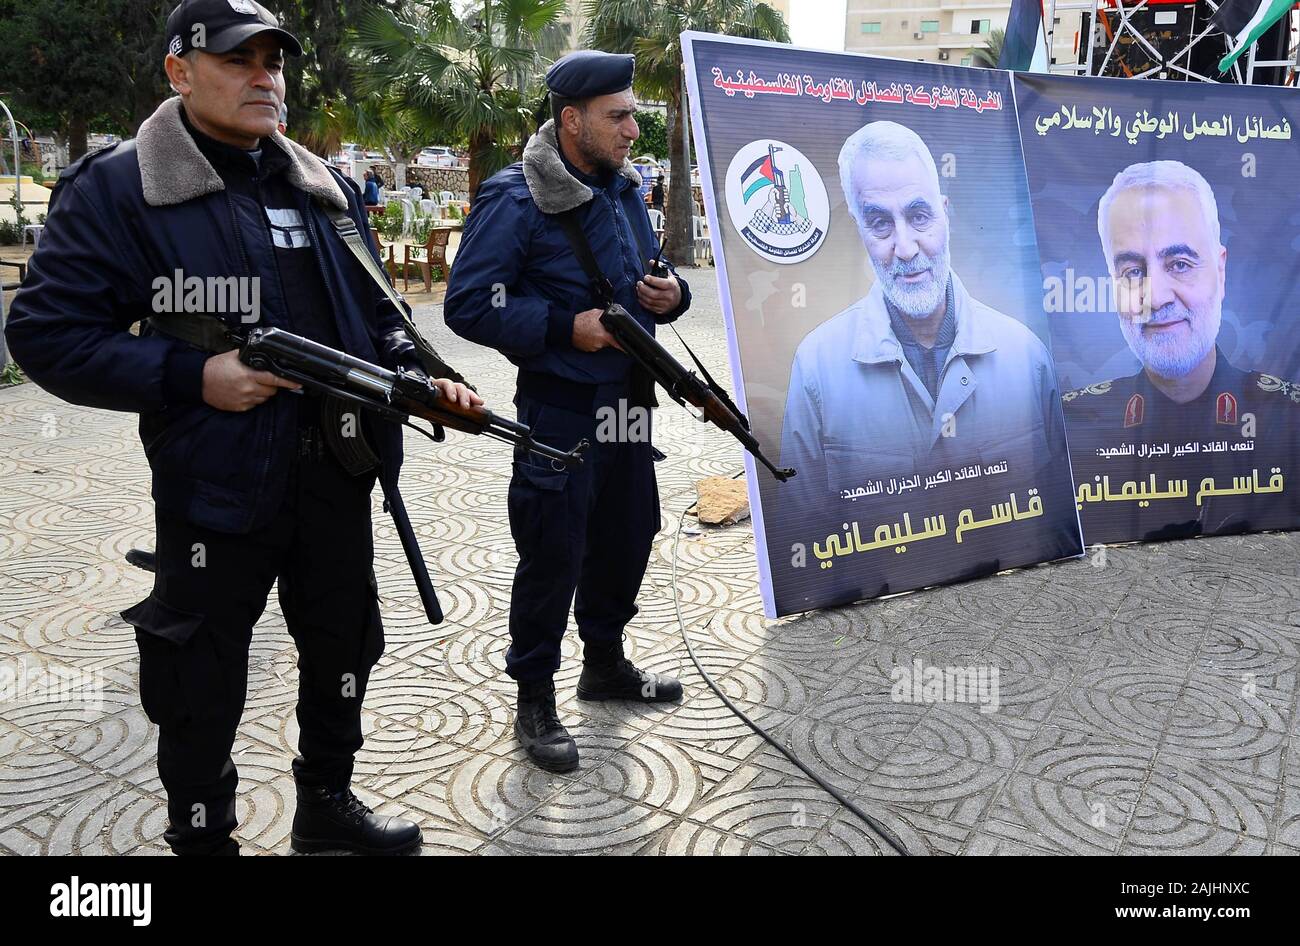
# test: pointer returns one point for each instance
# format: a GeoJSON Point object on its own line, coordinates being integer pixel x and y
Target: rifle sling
{"type": "Point", "coordinates": [433, 363]}
{"type": "Point", "coordinates": [641, 386]}
{"type": "Point", "coordinates": [205, 332]}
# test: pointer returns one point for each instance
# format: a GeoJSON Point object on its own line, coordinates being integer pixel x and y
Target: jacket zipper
{"type": "Point", "coordinates": [320, 265]}
{"type": "Point", "coordinates": [243, 253]}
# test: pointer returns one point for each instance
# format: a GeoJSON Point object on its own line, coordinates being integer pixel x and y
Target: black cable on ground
{"type": "Point", "coordinates": [889, 837]}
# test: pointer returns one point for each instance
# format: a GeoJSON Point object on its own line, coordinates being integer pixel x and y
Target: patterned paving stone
{"type": "Point", "coordinates": [1117, 718]}
{"type": "Point", "coordinates": [988, 845]}
{"type": "Point", "coordinates": [1087, 762]}
{"type": "Point", "coordinates": [1190, 838]}
{"type": "Point", "coordinates": [842, 754]}
{"type": "Point", "coordinates": [1287, 827]}
{"type": "Point", "coordinates": [917, 778]}
{"type": "Point", "coordinates": [1057, 818]}
{"type": "Point", "coordinates": [1227, 740]}
{"type": "Point", "coordinates": [585, 820]}
{"type": "Point", "coordinates": [773, 805]}
{"type": "Point", "coordinates": [1181, 791]}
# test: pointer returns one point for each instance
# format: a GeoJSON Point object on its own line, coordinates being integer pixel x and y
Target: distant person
{"type": "Point", "coordinates": [371, 193]}
{"type": "Point", "coordinates": [657, 194]}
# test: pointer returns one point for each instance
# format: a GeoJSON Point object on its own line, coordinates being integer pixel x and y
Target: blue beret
{"type": "Point", "coordinates": [588, 73]}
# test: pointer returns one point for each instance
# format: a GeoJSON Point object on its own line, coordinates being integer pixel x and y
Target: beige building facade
{"type": "Point", "coordinates": [939, 30]}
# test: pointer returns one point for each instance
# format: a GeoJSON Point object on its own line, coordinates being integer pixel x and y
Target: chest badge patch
{"type": "Point", "coordinates": [287, 228]}
{"type": "Point", "coordinates": [1134, 411]}
{"type": "Point", "coordinates": [1225, 409]}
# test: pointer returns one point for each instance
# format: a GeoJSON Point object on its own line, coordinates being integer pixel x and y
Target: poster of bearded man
{"type": "Point", "coordinates": [871, 227]}
{"type": "Point", "coordinates": [1169, 254]}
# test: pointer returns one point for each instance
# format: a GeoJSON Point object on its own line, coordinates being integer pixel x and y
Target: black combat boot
{"type": "Point", "coordinates": [539, 729]}
{"type": "Point", "coordinates": [326, 821]}
{"type": "Point", "coordinates": [608, 675]}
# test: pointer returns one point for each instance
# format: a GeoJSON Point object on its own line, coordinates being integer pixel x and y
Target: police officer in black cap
{"type": "Point", "coordinates": [207, 197]}
{"type": "Point", "coordinates": [518, 286]}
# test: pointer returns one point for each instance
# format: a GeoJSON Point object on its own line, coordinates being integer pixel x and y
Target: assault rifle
{"type": "Point", "coordinates": [397, 396]}
{"type": "Point", "coordinates": [683, 385]}
{"type": "Point", "coordinates": [394, 395]}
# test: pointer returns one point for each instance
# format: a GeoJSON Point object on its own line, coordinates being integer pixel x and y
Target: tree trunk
{"type": "Point", "coordinates": [478, 148]}
{"type": "Point", "coordinates": [145, 99]}
{"type": "Point", "coordinates": [77, 134]}
{"type": "Point", "coordinates": [678, 246]}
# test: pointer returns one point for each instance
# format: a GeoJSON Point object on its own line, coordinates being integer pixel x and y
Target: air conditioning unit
{"type": "Point", "coordinates": [943, 55]}
{"type": "Point", "coordinates": [918, 36]}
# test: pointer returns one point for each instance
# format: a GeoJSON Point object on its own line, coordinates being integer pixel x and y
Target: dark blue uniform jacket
{"type": "Point", "coordinates": [515, 282]}
{"type": "Point", "coordinates": [144, 209]}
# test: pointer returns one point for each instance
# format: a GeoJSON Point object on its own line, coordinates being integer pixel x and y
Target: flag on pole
{"type": "Point", "coordinates": [1246, 21]}
{"type": "Point", "coordinates": [1024, 47]}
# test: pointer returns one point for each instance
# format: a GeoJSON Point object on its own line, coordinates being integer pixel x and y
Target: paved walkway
{"type": "Point", "coordinates": [1122, 725]}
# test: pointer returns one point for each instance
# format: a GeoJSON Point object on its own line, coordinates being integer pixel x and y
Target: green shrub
{"type": "Point", "coordinates": [13, 232]}
{"type": "Point", "coordinates": [11, 374]}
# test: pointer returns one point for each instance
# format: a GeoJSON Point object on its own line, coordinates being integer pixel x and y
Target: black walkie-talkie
{"type": "Point", "coordinates": [657, 265]}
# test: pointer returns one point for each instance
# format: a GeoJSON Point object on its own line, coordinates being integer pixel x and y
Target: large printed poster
{"type": "Point", "coordinates": [1168, 224]}
{"type": "Point", "coordinates": [875, 247]}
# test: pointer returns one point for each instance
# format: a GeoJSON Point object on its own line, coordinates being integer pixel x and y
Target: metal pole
{"type": "Point", "coordinates": [18, 200]}
{"type": "Point", "coordinates": [685, 117]}
{"type": "Point", "coordinates": [18, 165]}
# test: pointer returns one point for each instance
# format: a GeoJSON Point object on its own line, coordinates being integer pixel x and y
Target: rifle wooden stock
{"type": "Point", "coordinates": [683, 385]}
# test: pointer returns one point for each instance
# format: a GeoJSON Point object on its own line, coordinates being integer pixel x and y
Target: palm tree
{"type": "Point", "coordinates": [650, 30]}
{"type": "Point", "coordinates": [472, 77]}
{"type": "Point", "coordinates": [989, 54]}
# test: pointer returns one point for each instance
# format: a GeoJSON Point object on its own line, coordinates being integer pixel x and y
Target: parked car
{"type": "Point", "coordinates": [437, 157]}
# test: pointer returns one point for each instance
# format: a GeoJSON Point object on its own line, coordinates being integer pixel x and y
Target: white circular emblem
{"type": "Point", "coordinates": [777, 201]}
{"type": "Point", "coordinates": [242, 6]}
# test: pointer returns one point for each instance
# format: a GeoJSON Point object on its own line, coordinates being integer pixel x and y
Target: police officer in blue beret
{"type": "Point", "coordinates": [518, 286]}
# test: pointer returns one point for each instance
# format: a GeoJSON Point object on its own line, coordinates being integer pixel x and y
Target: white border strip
{"type": "Point", "coordinates": [724, 295]}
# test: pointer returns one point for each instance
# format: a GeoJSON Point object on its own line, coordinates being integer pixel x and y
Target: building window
{"type": "Point", "coordinates": [929, 26]}
{"type": "Point", "coordinates": [965, 60]}
{"type": "Point", "coordinates": [983, 26]}
{"type": "Point", "coordinates": [871, 27]}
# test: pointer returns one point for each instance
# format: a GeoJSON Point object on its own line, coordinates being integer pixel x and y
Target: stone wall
{"type": "Point", "coordinates": [433, 180]}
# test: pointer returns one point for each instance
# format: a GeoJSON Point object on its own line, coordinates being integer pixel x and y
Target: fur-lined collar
{"type": "Point", "coordinates": [174, 170]}
{"type": "Point", "coordinates": [553, 188]}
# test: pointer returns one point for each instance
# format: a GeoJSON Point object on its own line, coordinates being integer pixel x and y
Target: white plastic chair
{"type": "Point", "coordinates": [656, 220]}
{"type": "Point", "coordinates": [700, 238]}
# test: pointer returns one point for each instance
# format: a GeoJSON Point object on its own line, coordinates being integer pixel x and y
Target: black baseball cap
{"type": "Point", "coordinates": [218, 26]}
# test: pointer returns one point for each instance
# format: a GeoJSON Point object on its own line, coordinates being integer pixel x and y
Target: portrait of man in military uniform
{"type": "Point", "coordinates": [918, 375]}
{"type": "Point", "coordinates": [1189, 413]}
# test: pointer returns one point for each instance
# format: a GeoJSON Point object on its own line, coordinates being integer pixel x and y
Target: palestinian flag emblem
{"type": "Point", "coordinates": [777, 201]}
